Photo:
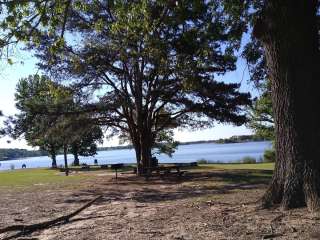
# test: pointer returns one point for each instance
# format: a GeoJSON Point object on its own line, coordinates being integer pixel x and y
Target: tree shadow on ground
{"type": "Point", "coordinates": [193, 184]}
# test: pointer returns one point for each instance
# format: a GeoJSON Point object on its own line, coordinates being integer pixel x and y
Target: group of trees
{"type": "Point", "coordinates": [155, 63]}
{"type": "Point", "coordinates": [39, 101]}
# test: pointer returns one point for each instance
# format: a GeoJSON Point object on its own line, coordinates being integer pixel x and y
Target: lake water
{"type": "Point", "coordinates": [230, 152]}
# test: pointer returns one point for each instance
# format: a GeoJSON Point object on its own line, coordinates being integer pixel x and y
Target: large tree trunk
{"type": "Point", "coordinates": [145, 151]}
{"type": "Point", "coordinates": [142, 147]}
{"type": "Point", "coordinates": [288, 32]}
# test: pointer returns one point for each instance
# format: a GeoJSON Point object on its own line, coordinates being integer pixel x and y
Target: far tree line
{"type": "Point", "coordinates": [15, 153]}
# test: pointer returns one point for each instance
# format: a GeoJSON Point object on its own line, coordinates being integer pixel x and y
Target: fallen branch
{"type": "Point", "coordinates": [25, 229]}
{"type": "Point", "coordinates": [272, 235]}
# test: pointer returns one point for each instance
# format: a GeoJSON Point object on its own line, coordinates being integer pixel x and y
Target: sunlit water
{"type": "Point", "coordinates": [230, 152]}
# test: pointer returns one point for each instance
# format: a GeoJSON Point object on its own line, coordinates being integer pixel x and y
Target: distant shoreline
{"type": "Point", "coordinates": [234, 139]}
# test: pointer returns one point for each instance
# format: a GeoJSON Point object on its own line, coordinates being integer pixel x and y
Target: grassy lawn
{"type": "Point", "coordinates": [39, 177]}
{"type": "Point", "coordinates": [238, 166]}
{"type": "Point", "coordinates": [29, 177]}
{"type": "Point", "coordinates": [240, 173]}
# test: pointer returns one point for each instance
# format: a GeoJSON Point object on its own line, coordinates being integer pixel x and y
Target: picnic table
{"type": "Point", "coordinates": [116, 167]}
{"type": "Point", "coordinates": [164, 171]}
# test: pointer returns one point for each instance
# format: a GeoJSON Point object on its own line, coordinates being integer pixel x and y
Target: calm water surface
{"type": "Point", "coordinates": [230, 152]}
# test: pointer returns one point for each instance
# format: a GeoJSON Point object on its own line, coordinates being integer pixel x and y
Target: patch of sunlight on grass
{"type": "Point", "coordinates": [238, 166]}
{"type": "Point", "coordinates": [28, 177]}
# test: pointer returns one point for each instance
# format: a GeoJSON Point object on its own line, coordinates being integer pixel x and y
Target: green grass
{"type": "Point", "coordinates": [241, 173]}
{"type": "Point", "coordinates": [37, 177]}
{"type": "Point", "coordinates": [238, 166]}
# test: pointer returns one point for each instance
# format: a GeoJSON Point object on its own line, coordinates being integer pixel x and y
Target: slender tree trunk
{"type": "Point", "coordinates": [76, 161]}
{"type": "Point", "coordinates": [65, 152]}
{"type": "Point", "coordinates": [288, 32]}
{"type": "Point", "coordinates": [54, 160]}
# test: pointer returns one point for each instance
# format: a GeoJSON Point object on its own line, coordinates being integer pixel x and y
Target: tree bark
{"type": "Point", "coordinates": [142, 146]}
{"type": "Point", "coordinates": [288, 32]}
{"type": "Point", "coordinates": [145, 152]}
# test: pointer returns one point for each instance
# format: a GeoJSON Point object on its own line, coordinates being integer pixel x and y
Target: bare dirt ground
{"type": "Point", "coordinates": [201, 205]}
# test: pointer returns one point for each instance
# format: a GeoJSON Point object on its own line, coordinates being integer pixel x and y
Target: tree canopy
{"type": "Point", "coordinates": [32, 93]}
{"type": "Point", "coordinates": [39, 101]}
{"type": "Point", "coordinates": [154, 65]}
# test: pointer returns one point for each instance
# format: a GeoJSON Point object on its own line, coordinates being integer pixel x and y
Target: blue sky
{"type": "Point", "coordinates": [10, 74]}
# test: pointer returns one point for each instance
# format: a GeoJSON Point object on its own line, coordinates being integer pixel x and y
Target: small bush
{"type": "Point", "coordinates": [202, 161]}
{"type": "Point", "coordinates": [248, 160]}
{"type": "Point", "coordinates": [269, 156]}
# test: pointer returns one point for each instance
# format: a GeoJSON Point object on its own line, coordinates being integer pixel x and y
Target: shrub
{"type": "Point", "coordinates": [248, 160]}
{"type": "Point", "coordinates": [269, 156]}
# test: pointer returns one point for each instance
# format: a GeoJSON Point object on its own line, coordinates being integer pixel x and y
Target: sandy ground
{"type": "Point", "coordinates": [201, 205]}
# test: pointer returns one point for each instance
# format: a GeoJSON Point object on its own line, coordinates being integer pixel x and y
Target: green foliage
{"type": "Point", "coordinates": [25, 21]}
{"type": "Point", "coordinates": [35, 95]}
{"type": "Point", "coordinates": [85, 137]}
{"type": "Point", "coordinates": [165, 143]}
{"type": "Point", "coordinates": [269, 156]}
{"type": "Point", "coordinates": [261, 115]}
{"type": "Point", "coordinates": [44, 121]}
